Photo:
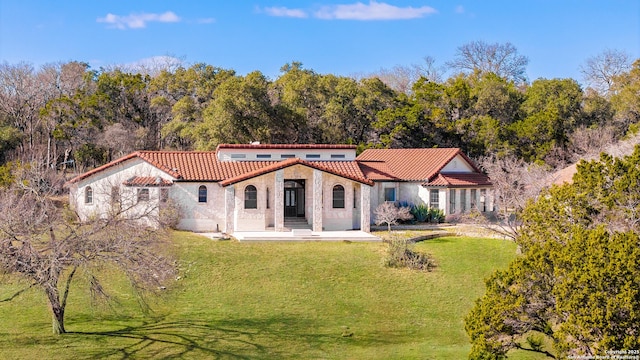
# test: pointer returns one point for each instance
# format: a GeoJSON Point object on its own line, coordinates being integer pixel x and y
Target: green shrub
{"type": "Point", "coordinates": [436, 215]}
{"type": "Point", "coordinates": [420, 212]}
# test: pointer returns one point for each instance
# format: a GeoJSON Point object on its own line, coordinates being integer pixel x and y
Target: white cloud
{"type": "Point", "coordinates": [459, 9]}
{"type": "Point", "coordinates": [138, 21]}
{"type": "Point", "coordinates": [206, 21]}
{"type": "Point", "coordinates": [285, 12]}
{"type": "Point", "coordinates": [373, 11]}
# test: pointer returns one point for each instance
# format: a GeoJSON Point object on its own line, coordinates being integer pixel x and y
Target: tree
{"type": "Point", "coordinates": [388, 213]}
{"type": "Point", "coordinates": [500, 59]}
{"type": "Point", "coordinates": [552, 109]}
{"type": "Point", "coordinates": [576, 280]}
{"type": "Point", "coordinates": [599, 71]}
{"type": "Point", "coordinates": [625, 99]}
{"type": "Point", "coordinates": [515, 183]}
{"type": "Point", "coordinates": [401, 78]}
{"type": "Point", "coordinates": [49, 247]}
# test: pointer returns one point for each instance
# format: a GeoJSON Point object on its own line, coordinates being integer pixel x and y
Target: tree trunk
{"type": "Point", "coordinates": [57, 311]}
{"type": "Point", "coordinates": [57, 321]}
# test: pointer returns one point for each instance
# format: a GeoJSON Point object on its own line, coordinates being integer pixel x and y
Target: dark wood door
{"type": "Point", "coordinates": [290, 203]}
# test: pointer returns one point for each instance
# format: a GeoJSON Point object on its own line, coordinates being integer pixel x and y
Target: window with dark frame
{"type": "Point", "coordinates": [267, 198]}
{"type": "Point", "coordinates": [202, 194]}
{"type": "Point", "coordinates": [474, 199]}
{"type": "Point", "coordinates": [164, 195]}
{"type": "Point", "coordinates": [463, 200]}
{"type": "Point", "coordinates": [390, 194]}
{"type": "Point", "coordinates": [88, 195]}
{"type": "Point", "coordinates": [354, 198]}
{"type": "Point", "coordinates": [483, 200]}
{"type": "Point", "coordinates": [434, 198]}
{"type": "Point", "coordinates": [338, 197]}
{"type": "Point", "coordinates": [250, 197]}
{"type": "Point", "coordinates": [115, 195]}
{"type": "Point", "coordinates": [143, 195]}
{"type": "Point", "coordinates": [452, 201]}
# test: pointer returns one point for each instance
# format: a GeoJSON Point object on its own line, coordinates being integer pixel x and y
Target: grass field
{"type": "Point", "coordinates": [272, 301]}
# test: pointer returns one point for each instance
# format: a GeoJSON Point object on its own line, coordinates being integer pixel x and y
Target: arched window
{"type": "Point", "coordinates": [88, 195]}
{"type": "Point", "coordinates": [250, 197]}
{"type": "Point", "coordinates": [338, 197]}
{"type": "Point", "coordinates": [202, 194]}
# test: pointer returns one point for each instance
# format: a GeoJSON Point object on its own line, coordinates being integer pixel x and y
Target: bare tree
{"type": "Point", "coordinates": [388, 213]}
{"type": "Point", "coordinates": [515, 182]}
{"type": "Point", "coordinates": [600, 70]}
{"type": "Point", "coordinates": [49, 247]}
{"type": "Point", "coordinates": [401, 78]}
{"type": "Point", "coordinates": [500, 59]}
{"type": "Point", "coordinates": [588, 143]}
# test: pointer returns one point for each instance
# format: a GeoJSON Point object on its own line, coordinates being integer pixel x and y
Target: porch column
{"type": "Point", "coordinates": [278, 201]}
{"type": "Point", "coordinates": [229, 205]}
{"type": "Point", "coordinates": [365, 208]}
{"type": "Point", "coordinates": [317, 200]}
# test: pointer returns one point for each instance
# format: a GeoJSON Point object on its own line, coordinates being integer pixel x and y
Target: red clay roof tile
{"type": "Point", "coordinates": [460, 179]}
{"type": "Point", "coordinates": [409, 164]}
{"type": "Point", "coordinates": [285, 146]}
{"type": "Point", "coordinates": [147, 181]}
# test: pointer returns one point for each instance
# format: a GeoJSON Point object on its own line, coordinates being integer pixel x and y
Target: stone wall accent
{"type": "Point", "coordinates": [317, 200]}
{"type": "Point", "coordinates": [278, 203]}
{"type": "Point", "coordinates": [229, 205]}
{"type": "Point", "coordinates": [365, 213]}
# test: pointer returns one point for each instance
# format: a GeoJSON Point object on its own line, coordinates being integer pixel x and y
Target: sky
{"type": "Point", "coordinates": [341, 37]}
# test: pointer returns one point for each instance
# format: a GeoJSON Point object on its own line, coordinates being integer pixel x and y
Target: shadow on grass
{"type": "Point", "coordinates": [269, 338]}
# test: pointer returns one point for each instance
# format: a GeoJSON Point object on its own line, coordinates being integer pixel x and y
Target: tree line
{"type": "Point", "coordinates": [67, 113]}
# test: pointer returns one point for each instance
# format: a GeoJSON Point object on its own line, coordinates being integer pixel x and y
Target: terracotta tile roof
{"type": "Point", "coordinates": [285, 146]}
{"type": "Point", "coordinates": [377, 170]}
{"type": "Point", "coordinates": [147, 181]}
{"type": "Point", "coordinates": [205, 166]}
{"type": "Point", "coordinates": [119, 161]}
{"type": "Point", "coordinates": [460, 179]}
{"type": "Point", "coordinates": [346, 169]}
{"type": "Point", "coordinates": [408, 164]}
{"type": "Point", "coordinates": [200, 165]}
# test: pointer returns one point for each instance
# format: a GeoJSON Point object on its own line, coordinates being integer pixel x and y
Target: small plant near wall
{"type": "Point", "coordinates": [421, 213]}
{"type": "Point", "coordinates": [436, 215]}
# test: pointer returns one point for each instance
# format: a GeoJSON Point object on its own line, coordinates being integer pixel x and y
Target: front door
{"type": "Point", "coordinates": [290, 203]}
{"type": "Point", "coordinates": [294, 198]}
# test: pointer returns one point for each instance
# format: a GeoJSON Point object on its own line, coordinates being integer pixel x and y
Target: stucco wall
{"type": "Point", "coordinates": [197, 216]}
{"type": "Point", "coordinates": [102, 184]}
{"type": "Point", "coordinates": [334, 219]}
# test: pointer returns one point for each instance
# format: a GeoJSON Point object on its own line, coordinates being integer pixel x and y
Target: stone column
{"type": "Point", "coordinates": [365, 208]}
{"type": "Point", "coordinates": [317, 200]}
{"type": "Point", "coordinates": [278, 201]}
{"type": "Point", "coordinates": [229, 206]}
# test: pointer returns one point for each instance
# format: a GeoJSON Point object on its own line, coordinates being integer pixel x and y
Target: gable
{"type": "Point", "coordinates": [458, 165]}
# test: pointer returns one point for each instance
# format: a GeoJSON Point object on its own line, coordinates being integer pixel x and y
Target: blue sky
{"type": "Point", "coordinates": [342, 37]}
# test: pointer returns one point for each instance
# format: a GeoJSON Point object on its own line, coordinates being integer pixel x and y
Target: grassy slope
{"type": "Point", "coordinates": [265, 301]}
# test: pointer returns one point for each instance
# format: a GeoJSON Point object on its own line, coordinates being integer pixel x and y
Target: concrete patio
{"type": "Point", "coordinates": [350, 235]}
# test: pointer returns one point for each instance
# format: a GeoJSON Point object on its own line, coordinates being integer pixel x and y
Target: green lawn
{"type": "Point", "coordinates": [272, 301]}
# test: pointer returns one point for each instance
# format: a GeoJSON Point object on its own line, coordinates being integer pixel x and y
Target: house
{"type": "Point", "coordinates": [261, 187]}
